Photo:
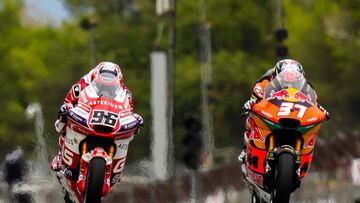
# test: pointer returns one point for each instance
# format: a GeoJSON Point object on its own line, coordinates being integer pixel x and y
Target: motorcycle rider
{"type": "Point", "coordinates": [102, 70]}
{"type": "Point", "coordinates": [258, 94]}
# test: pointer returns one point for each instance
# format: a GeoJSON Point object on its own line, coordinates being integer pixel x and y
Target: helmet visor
{"type": "Point", "coordinates": [106, 85]}
{"type": "Point", "coordinates": [291, 77]}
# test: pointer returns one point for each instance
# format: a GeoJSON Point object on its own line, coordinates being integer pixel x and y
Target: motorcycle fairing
{"type": "Point", "coordinates": [115, 113]}
{"type": "Point", "coordinates": [264, 122]}
{"type": "Point", "coordinates": [72, 143]}
{"type": "Point", "coordinates": [269, 111]}
{"type": "Point", "coordinates": [257, 147]}
{"type": "Point", "coordinates": [287, 120]}
{"type": "Point", "coordinates": [256, 158]}
{"type": "Point", "coordinates": [265, 127]}
{"type": "Point", "coordinates": [80, 129]}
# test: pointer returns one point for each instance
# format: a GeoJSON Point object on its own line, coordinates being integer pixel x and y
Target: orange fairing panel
{"type": "Point", "coordinates": [259, 133]}
{"type": "Point", "coordinates": [256, 159]}
{"type": "Point", "coordinates": [307, 115]}
{"type": "Point", "coordinates": [309, 139]}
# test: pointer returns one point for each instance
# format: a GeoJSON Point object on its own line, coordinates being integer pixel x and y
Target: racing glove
{"type": "Point", "coordinates": [64, 109]}
{"type": "Point", "coordinates": [248, 105]}
{"type": "Point", "coordinates": [61, 121]}
{"type": "Point", "coordinates": [141, 122]}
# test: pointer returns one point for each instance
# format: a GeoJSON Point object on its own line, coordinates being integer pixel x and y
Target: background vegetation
{"type": "Point", "coordinates": [39, 62]}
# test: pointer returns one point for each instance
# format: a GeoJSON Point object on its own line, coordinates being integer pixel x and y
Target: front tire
{"type": "Point", "coordinates": [284, 178]}
{"type": "Point", "coordinates": [94, 180]}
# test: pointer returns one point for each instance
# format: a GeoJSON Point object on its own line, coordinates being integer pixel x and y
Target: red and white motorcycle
{"type": "Point", "coordinates": [98, 132]}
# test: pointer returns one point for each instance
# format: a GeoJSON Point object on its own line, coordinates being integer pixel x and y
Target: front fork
{"type": "Point", "coordinates": [84, 165]}
{"type": "Point", "coordinates": [271, 160]}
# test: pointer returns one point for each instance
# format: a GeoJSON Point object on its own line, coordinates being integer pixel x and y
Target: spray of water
{"type": "Point", "coordinates": [39, 185]}
{"type": "Point", "coordinates": [34, 111]}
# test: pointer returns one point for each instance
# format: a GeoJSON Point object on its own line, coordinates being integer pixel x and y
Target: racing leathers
{"type": "Point", "coordinates": [257, 95]}
{"type": "Point", "coordinates": [70, 101]}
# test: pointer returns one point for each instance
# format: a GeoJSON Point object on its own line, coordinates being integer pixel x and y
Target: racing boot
{"type": "Point", "coordinates": [56, 163]}
{"type": "Point", "coordinates": [242, 155]}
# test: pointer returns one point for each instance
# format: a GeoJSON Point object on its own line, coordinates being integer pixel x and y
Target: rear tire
{"type": "Point", "coordinates": [284, 178]}
{"type": "Point", "coordinates": [94, 180]}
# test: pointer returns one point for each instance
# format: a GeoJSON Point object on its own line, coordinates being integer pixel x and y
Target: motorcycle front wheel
{"type": "Point", "coordinates": [94, 180]}
{"type": "Point", "coordinates": [284, 178]}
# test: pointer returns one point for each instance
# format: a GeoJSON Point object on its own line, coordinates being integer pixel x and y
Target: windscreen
{"type": "Point", "coordinates": [291, 77]}
{"type": "Point", "coordinates": [290, 86]}
{"type": "Point", "coordinates": [107, 86]}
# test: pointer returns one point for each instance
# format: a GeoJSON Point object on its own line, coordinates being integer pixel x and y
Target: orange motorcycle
{"type": "Point", "coordinates": [284, 127]}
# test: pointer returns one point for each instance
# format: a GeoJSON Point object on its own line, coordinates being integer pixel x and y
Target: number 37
{"type": "Point", "coordinates": [286, 108]}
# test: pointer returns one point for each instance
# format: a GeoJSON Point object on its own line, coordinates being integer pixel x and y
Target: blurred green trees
{"type": "Point", "coordinates": [40, 62]}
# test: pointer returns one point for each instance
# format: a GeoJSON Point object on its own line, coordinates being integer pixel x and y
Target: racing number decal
{"type": "Point", "coordinates": [105, 118]}
{"type": "Point", "coordinates": [118, 167]}
{"type": "Point", "coordinates": [68, 157]}
{"type": "Point", "coordinates": [286, 108]}
{"type": "Point", "coordinates": [302, 110]}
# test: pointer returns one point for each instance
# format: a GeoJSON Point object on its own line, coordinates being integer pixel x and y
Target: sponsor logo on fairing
{"type": "Point", "coordinates": [115, 178]}
{"type": "Point", "coordinates": [131, 125]}
{"type": "Point", "coordinates": [259, 91]}
{"type": "Point", "coordinates": [311, 142]}
{"type": "Point", "coordinates": [72, 141]}
{"type": "Point", "coordinates": [266, 114]}
{"type": "Point", "coordinates": [75, 117]}
{"type": "Point", "coordinates": [282, 94]}
{"type": "Point", "coordinates": [312, 119]}
{"type": "Point", "coordinates": [123, 146]}
{"type": "Point", "coordinates": [303, 98]}
{"type": "Point", "coordinates": [258, 179]}
{"type": "Point", "coordinates": [106, 103]}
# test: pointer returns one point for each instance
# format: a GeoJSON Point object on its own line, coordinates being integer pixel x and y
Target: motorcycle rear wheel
{"type": "Point", "coordinates": [94, 180]}
{"type": "Point", "coordinates": [284, 178]}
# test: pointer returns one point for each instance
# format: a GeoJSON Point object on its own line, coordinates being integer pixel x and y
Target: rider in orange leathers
{"type": "Point", "coordinates": [258, 94]}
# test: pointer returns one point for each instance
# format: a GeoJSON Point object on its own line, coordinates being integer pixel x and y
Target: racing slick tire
{"type": "Point", "coordinates": [94, 180]}
{"type": "Point", "coordinates": [284, 178]}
